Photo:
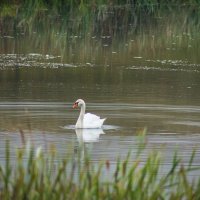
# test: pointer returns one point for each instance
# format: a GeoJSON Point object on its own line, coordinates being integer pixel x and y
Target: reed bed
{"type": "Point", "coordinates": [87, 31]}
{"type": "Point", "coordinates": [35, 174]}
{"type": "Point", "coordinates": [93, 17]}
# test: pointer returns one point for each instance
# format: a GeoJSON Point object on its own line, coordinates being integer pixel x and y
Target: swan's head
{"type": "Point", "coordinates": [78, 103]}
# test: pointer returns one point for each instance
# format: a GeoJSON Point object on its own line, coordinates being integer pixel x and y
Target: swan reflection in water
{"type": "Point", "coordinates": [86, 138]}
{"type": "Point", "coordinates": [88, 135]}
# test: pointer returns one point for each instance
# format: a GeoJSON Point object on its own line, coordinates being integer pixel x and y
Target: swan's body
{"type": "Point", "coordinates": [87, 120]}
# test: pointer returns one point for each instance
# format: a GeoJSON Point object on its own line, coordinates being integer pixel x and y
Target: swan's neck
{"type": "Point", "coordinates": [79, 123]}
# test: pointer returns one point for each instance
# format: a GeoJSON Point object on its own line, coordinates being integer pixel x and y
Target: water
{"type": "Point", "coordinates": [131, 88]}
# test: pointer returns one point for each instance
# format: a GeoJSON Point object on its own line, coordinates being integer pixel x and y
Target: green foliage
{"type": "Point", "coordinates": [39, 175]}
{"type": "Point", "coordinates": [97, 18]}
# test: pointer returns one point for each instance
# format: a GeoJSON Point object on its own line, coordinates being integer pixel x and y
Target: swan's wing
{"type": "Point", "coordinates": [92, 121]}
{"type": "Point", "coordinates": [91, 117]}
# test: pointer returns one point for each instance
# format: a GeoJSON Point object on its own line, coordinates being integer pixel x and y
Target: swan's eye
{"type": "Point", "coordinates": [76, 103]}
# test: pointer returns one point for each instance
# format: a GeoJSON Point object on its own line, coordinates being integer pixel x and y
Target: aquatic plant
{"type": "Point", "coordinates": [87, 32]}
{"type": "Point", "coordinates": [36, 174]}
{"type": "Point", "coordinates": [102, 17]}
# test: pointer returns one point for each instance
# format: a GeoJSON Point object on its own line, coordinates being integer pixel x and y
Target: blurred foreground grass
{"type": "Point", "coordinates": [35, 174]}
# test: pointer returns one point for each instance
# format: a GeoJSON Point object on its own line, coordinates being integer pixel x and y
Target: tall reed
{"type": "Point", "coordinates": [35, 174]}
{"type": "Point", "coordinates": [103, 17]}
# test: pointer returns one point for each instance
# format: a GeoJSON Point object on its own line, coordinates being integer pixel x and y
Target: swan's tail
{"type": "Point", "coordinates": [102, 121]}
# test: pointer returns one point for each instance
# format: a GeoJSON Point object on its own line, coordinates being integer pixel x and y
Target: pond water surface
{"type": "Point", "coordinates": [157, 91]}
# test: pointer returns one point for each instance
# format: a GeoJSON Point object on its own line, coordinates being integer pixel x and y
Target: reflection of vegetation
{"type": "Point", "coordinates": [82, 31]}
{"type": "Point", "coordinates": [34, 175]}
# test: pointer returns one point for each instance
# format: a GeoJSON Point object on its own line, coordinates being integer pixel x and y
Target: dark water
{"type": "Point", "coordinates": [154, 89]}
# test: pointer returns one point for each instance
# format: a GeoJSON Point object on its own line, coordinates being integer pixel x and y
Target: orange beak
{"type": "Point", "coordinates": [75, 105]}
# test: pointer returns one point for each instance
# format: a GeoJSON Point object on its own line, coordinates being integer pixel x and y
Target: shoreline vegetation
{"type": "Point", "coordinates": [37, 174]}
{"type": "Point", "coordinates": [81, 30]}
{"type": "Point", "coordinates": [104, 18]}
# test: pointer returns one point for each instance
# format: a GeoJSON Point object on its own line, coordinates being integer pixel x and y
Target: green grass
{"type": "Point", "coordinates": [102, 17]}
{"type": "Point", "coordinates": [35, 174]}
{"type": "Point", "coordinates": [66, 25]}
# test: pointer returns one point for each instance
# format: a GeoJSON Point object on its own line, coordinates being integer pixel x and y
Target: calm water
{"type": "Point", "coordinates": [157, 90]}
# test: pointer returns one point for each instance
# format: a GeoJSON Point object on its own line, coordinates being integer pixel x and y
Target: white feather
{"type": "Point", "coordinates": [92, 121]}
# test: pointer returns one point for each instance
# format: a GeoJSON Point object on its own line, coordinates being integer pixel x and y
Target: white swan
{"type": "Point", "coordinates": [87, 120]}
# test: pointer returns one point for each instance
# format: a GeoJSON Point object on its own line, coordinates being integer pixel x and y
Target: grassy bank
{"type": "Point", "coordinates": [35, 174]}
{"type": "Point", "coordinates": [93, 17]}
{"type": "Point", "coordinates": [92, 32]}
{"type": "Point", "coordinates": [85, 27]}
